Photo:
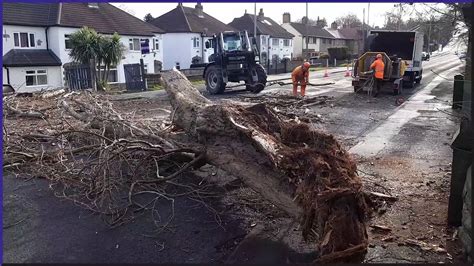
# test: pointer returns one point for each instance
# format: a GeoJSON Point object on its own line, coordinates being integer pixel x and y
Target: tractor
{"type": "Point", "coordinates": [234, 59]}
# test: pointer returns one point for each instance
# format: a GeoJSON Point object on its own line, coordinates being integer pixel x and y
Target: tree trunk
{"type": "Point", "coordinates": [304, 172]}
{"type": "Point", "coordinates": [98, 77]}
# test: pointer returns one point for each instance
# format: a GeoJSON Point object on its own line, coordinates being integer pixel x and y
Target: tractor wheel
{"type": "Point", "coordinates": [214, 81]}
{"type": "Point", "coordinates": [262, 80]}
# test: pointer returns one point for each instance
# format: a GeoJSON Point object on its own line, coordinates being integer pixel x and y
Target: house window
{"type": "Point", "coordinates": [264, 40]}
{"type": "Point", "coordinates": [196, 42]}
{"type": "Point", "coordinates": [32, 40]}
{"type": "Point", "coordinates": [286, 42]}
{"type": "Point", "coordinates": [211, 43]}
{"type": "Point", "coordinates": [24, 39]}
{"type": "Point", "coordinates": [156, 45]}
{"type": "Point", "coordinates": [113, 75]}
{"type": "Point", "coordinates": [134, 44]}
{"type": "Point", "coordinates": [36, 77]}
{"type": "Point", "coordinates": [275, 42]}
{"type": "Point", "coordinates": [67, 41]}
{"type": "Point", "coordinates": [324, 40]}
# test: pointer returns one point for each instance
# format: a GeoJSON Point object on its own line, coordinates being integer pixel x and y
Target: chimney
{"type": "Point", "coordinates": [180, 4]}
{"type": "Point", "coordinates": [286, 17]}
{"type": "Point", "coordinates": [334, 25]}
{"type": "Point", "coordinates": [304, 20]}
{"type": "Point", "coordinates": [199, 10]}
{"type": "Point", "coordinates": [260, 14]}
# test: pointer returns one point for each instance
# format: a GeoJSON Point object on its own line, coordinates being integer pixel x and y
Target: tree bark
{"type": "Point", "coordinates": [304, 172]}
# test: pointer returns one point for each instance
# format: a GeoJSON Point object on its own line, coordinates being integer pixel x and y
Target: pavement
{"type": "Point", "coordinates": [400, 150]}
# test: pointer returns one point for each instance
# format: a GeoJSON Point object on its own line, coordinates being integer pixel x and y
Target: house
{"type": "Point", "coordinates": [349, 37]}
{"type": "Point", "coordinates": [319, 39]}
{"type": "Point", "coordinates": [36, 40]}
{"type": "Point", "coordinates": [187, 30]}
{"type": "Point", "coordinates": [273, 41]}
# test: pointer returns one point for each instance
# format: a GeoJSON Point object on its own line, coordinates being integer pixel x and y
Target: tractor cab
{"type": "Point", "coordinates": [235, 59]}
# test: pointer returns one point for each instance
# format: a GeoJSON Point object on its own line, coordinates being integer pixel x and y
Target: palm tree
{"type": "Point", "coordinates": [106, 51]}
{"type": "Point", "coordinates": [112, 52]}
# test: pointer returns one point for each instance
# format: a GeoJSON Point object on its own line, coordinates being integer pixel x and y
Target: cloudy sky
{"type": "Point", "coordinates": [226, 12]}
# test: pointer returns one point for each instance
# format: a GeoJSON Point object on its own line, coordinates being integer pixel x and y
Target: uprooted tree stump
{"type": "Point", "coordinates": [302, 171]}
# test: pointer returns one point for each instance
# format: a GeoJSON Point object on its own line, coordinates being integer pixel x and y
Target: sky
{"type": "Point", "coordinates": [226, 12]}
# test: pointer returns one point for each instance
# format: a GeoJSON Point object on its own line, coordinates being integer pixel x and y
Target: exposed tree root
{"type": "Point", "coordinates": [303, 171]}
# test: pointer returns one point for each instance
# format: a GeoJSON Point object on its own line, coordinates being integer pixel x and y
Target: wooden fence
{"type": "Point", "coordinates": [78, 77]}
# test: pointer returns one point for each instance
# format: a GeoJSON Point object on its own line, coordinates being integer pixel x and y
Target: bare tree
{"type": "Point", "coordinates": [350, 20]}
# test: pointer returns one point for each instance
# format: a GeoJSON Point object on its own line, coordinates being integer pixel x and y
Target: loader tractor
{"type": "Point", "coordinates": [235, 59]}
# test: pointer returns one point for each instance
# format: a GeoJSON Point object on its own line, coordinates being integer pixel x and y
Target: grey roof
{"type": "Point", "coordinates": [105, 19]}
{"type": "Point", "coordinates": [30, 57]}
{"type": "Point", "coordinates": [265, 26]}
{"type": "Point", "coordinates": [30, 14]}
{"type": "Point", "coordinates": [186, 19]}
{"type": "Point", "coordinates": [313, 31]}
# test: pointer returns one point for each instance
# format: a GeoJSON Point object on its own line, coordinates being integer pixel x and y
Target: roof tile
{"type": "Point", "coordinates": [265, 26]}
{"type": "Point", "coordinates": [30, 57]}
{"type": "Point", "coordinates": [185, 19]}
{"type": "Point", "coordinates": [313, 31]}
{"type": "Point", "coordinates": [106, 19]}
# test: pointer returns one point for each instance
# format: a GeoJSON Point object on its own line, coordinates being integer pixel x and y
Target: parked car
{"type": "Point", "coordinates": [425, 56]}
{"type": "Point", "coordinates": [314, 61]}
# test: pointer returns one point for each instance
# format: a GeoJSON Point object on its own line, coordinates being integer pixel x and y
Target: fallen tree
{"type": "Point", "coordinates": [106, 161]}
{"type": "Point", "coordinates": [302, 171]}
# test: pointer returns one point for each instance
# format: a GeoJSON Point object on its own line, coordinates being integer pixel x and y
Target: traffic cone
{"type": "Point", "coordinates": [348, 74]}
{"type": "Point", "coordinates": [326, 74]}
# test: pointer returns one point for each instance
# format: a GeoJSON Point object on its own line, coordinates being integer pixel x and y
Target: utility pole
{"type": "Point", "coordinates": [368, 14]}
{"type": "Point", "coordinates": [429, 36]}
{"type": "Point", "coordinates": [363, 27]}
{"type": "Point", "coordinates": [307, 38]}
{"type": "Point", "coordinates": [255, 22]}
{"type": "Point", "coordinates": [400, 6]}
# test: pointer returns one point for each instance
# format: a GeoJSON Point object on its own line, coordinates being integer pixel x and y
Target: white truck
{"type": "Point", "coordinates": [407, 45]}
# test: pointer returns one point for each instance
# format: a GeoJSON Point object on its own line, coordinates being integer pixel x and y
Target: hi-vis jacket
{"type": "Point", "coordinates": [379, 67]}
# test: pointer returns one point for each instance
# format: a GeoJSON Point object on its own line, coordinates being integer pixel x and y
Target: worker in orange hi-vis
{"type": "Point", "coordinates": [379, 66]}
{"type": "Point", "coordinates": [300, 75]}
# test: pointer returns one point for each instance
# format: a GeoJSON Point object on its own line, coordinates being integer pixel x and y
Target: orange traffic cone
{"type": "Point", "coordinates": [348, 74]}
{"type": "Point", "coordinates": [326, 74]}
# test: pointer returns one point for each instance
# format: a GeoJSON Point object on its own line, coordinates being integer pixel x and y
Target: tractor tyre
{"type": "Point", "coordinates": [214, 81]}
{"type": "Point", "coordinates": [262, 80]}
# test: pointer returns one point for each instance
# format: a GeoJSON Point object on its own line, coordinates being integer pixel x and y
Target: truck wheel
{"type": "Point", "coordinates": [262, 80]}
{"type": "Point", "coordinates": [411, 82]}
{"type": "Point", "coordinates": [214, 81]}
{"type": "Point", "coordinates": [418, 80]}
{"type": "Point", "coordinates": [398, 90]}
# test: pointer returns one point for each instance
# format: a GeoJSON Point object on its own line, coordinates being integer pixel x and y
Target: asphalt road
{"type": "Point", "coordinates": [39, 227]}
